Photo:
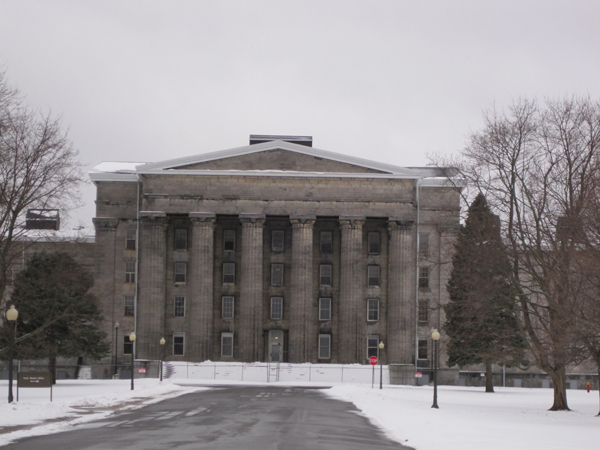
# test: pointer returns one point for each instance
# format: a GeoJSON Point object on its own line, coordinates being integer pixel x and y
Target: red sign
{"type": "Point", "coordinates": [373, 360]}
{"type": "Point", "coordinates": [418, 374]}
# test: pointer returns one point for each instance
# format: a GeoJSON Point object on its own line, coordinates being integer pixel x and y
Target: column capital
{"type": "Point", "coordinates": [399, 224]}
{"type": "Point", "coordinates": [105, 223]}
{"type": "Point", "coordinates": [249, 220]}
{"type": "Point", "coordinates": [156, 218]}
{"type": "Point", "coordinates": [351, 222]}
{"type": "Point", "coordinates": [203, 218]}
{"type": "Point", "coordinates": [302, 221]}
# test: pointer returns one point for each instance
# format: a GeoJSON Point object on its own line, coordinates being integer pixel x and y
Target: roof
{"type": "Point", "coordinates": [130, 171]}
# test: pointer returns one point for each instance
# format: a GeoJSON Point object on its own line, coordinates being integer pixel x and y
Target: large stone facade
{"type": "Point", "coordinates": [273, 250]}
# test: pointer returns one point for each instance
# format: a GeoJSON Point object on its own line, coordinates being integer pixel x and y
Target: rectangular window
{"type": "Point", "coordinates": [324, 346]}
{"type": "Point", "coordinates": [326, 243]}
{"type": "Point", "coordinates": [373, 275]}
{"type": "Point", "coordinates": [180, 269]}
{"type": "Point", "coordinates": [181, 235]}
{"type": "Point", "coordinates": [422, 352]}
{"type": "Point", "coordinates": [129, 308]}
{"type": "Point", "coordinates": [130, 272]}
{"type": "Point", "coordinates": [131, 238]}
{"type": "Point", "coordinates": [276, 308]}
{"type": "Point", "coordinates": [372, 309]}
{"type": "Point", "coordinates": [325, 274]}
{"type": "Point", "coordinates": [229, 240]}
{"type": "Point", "coordinates": [374, 243]}
{"type": "Point", "coordinates": [179, 307]}
{"type": "Point", "coordinates": [277, 241]}
{"type": "Point", "coordinates": [227, 307]}
{"type": "Point", "coordinates": [423, 311]}
{"type": "Point", "coordinates": [227, 344]}
{"type": "Point", "coordinates": [324, 309]}
{"type": "Point", "coordinates": [276, 274]}
{"type": "Point", "coordinates": [373, 345]}
{"type": "Point", "coordinates": [229, 273]}
{"type": "Point", "coordinates": [127, 345]}
{"type": "Point", "coordinates": [423, 244]}
{"type": "Point", "coordinates": [178, 344]}
{"type": "Point", "coordinates": [423, 277]}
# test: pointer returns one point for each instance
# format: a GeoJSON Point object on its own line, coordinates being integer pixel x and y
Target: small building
{"type": "Point", "coordinates": [274, 248]}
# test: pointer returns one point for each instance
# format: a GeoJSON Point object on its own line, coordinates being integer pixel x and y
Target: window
{"type": "Point", "coordinates": [277, 241]}
{"type": "Point", "coordinates": [276, 274]}
{"type": "Point", "coordinates": [129, 308]}
{"type": "Point", "coordinates": [229, 240]}
{"type": "Point", "coordinates": [422, 352]}
{"type": "Point", "coordinates": [326, 243]}
{"type": "Point", "coordinates": [227, 307]}
{"type": "Point", "coordinates": [325, 274]}
{"type": "Point", "coordinates": [373, 275]}
{"type": "Point", "coordinates": [127, 345]}
{"type": "Point", "coordinates": [423, 244]}
{"type": "Point", "coordinates": [178, 344]}
{"type": "Point", "coordinates": [276, 308]}
{"type": "Point", "coordinates": [229, 273]}
{"type": "Point", "coordinates": [180, 272]}
{"type": "Point", "coordinates": [324, 346]}
{"type": "Point", "coordinates": [374, 243]}
{"type": "Point", "coordinates": [423, 277]}
{"type": "Point", "coordinates": [131, 238]}
{"type": "Point", "coordinates": [372, 309]}
{"type": "Point", "coordinates": [373, 345]}
{"type": "Point", "coordinates": [181, 235]}
{"type": "Point", "coordinates": [423, 311]}
{"type": "Point", "coordinates": [179, 307]}
{"type": "Point", "coordinates": [324, 309]}
{"type": "Point", "coordinates": [227, 344]}
{"type": "Point", "coordinates": [130, 272]}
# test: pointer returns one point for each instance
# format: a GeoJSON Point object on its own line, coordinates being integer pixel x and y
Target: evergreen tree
{"type": "Point", "coordinates": [58, 316]}
{"type": "Point", "coordinates": [480, 316]}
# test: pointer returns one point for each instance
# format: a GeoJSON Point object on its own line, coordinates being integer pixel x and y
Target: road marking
{"type": "Point", "coordinates": [169, 415]}
{"type": "Point", "coordinates": [194, 412]}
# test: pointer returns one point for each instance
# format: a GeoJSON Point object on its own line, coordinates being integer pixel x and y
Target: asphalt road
{"type": "Point", "coordinates": [227, 417]}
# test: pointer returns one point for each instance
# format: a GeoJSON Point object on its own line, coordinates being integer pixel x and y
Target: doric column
{"type": "Point", "coordinates": [151, 284]}
{"type": "Point", "coordinates": [352, 286]}
{"type": "Point", "coordinates": [401, 293]}
{"type": "Point", "coordinates": [249, 336]}
{"type": "Point", "coordinates": [200, 306]}
{"type": "Point", "coordinates": [303, 316]}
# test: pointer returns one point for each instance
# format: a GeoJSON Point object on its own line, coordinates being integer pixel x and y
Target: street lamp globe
{"type": "Point", "coordinates": [435, 335]}
{"type": "Point", "coordinates": [381, 345]}
{"type": "Point", "coordinates": [132, 336]}
{"type": "Point", "coordinates": [162, 341]}
{"type": "Point", "coordinates": [12, 314]}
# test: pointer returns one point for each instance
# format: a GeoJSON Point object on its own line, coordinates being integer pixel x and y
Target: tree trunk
{"type": "Point", "coordinates": [52, 368]}
{"type": "Point", "coordinates": [559, 379]}
{"type": "Point", "coordinates": [489, 377]}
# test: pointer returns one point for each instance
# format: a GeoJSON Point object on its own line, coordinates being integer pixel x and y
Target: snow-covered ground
{"type": "Point", "coordinates": [468, 418]}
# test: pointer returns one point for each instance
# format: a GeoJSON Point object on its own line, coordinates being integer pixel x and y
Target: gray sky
{"type": "Point", "coordinates": [385, 80]}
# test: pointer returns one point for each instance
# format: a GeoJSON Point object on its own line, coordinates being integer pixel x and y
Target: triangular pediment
{"type": "Point", "coordinates": [274, 156]}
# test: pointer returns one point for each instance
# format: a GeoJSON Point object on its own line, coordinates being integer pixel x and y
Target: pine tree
{"type": "Point", "coordinates": [480, 316]}
{"type": "Point", "coordinates": [58, 316]}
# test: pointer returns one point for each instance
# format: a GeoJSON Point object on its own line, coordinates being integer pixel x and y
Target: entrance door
{"type": "Point", "coordinates": [276, 345]}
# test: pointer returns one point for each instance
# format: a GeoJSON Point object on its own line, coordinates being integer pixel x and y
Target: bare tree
{"type": "Point", "coordinates": [38, 169]}
{"type": "Point", "coordinates": [537, 166]}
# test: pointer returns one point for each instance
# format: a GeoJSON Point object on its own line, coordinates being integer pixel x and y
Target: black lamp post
{"type": "Point", "coordinates": [132, 340]}
{"type": "Point", "coordinates": [162, 358]}
{"type": "Point", "coordinates": [381, 347]}
{"type": "Point", "coordinates": [436, 339]}
{"type": "Point", "coordinates": [11, 315]}
{"type": "Point", "coordinates": [116, 346]}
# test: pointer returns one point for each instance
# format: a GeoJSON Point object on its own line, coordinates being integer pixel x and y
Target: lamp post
{"type": "Point", "coordinates": [436, 338]}
{"type": "Point", "coordinates": [162, 358]}
{"type": "Point", "coordinates": [11, 315]}
{"type": "Point", "coordinates": [132, 340]}
{"type": "Point", "coordinates": [116, 346]}
{"type": "Point", "coordinates": [381, 347]}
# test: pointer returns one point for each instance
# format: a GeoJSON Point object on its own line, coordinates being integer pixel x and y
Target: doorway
{"type": "Point", "coordinates": [276, 345]}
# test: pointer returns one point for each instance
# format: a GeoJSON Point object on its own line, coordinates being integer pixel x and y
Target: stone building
{"type": "Point", "coordinates": [273, 250]}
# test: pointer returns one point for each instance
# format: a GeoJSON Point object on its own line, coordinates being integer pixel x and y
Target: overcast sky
{"type": "Point", "coordinates": [388, 80]}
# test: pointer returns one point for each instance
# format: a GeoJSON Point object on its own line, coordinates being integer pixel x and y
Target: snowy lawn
{"type": "Point", "coordinates": [468, 418]}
